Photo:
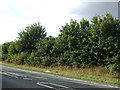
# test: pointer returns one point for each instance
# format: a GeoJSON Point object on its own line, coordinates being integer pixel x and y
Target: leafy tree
{"type": "Point", "coordinates": [45, 46]}
{"type": "Point", "coordinates": [79, 44]}
{"type": "Point", "coordinates": [84, 24]}
{"type": "Point", "coordinates": [95, 41]}
{"type": "Point", "coordinates": [0, 52]}
{"type": "Point", "coordinates": [43, 55]}
{"type": "Point", "coordinates": [12, 48]}
{"type": "Point", "coordinates": [105, 38]}
{"type": "Point", "coordinates": [68, 38]}
{"type": "Point", "coordinates": [5, 47]}
{"type": "Point", "coordinates": [29, 36]}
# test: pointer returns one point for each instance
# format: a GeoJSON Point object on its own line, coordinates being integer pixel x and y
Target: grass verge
{"type": "Point", "coordinates": [71, 73]}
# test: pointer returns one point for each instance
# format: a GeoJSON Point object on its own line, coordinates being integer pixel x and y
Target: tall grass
{"type": "Point", "coordinates": [98, 71]}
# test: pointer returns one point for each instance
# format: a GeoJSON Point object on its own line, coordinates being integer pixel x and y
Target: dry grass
{"type": "Point", "coordinates": [97, 71]}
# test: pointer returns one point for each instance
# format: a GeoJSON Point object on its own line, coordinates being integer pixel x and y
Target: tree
{"type": "Point", "coordinates": [0, 52]}
{"type": "Point", "coordinates": [5, 47]}
{"type": "Point", "coordinates": [105, 38]}
{"type": "Point", "coordinates": [29, 36]}
{"type": "Point", "coordinates": [12, 48]}
{"type": "Point", "coordinates": [45, 47]}
{"type": "Point", "coordinates": [68, 38]}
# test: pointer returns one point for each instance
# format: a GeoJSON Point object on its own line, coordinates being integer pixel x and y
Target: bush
{"type": "Point", "coordinates": [114, 67]}
{"type": "Point", "coordinates": [48, 61]}
{"type": "Point", "coordinates": [19, 58]}
{"type": "Point", "coordinates": [34, 59]}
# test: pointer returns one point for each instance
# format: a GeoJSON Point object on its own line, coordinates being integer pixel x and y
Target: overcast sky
{"type": "Point", "coordinates": [17, 14]}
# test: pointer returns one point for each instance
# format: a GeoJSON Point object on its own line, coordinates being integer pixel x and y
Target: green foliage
{"type": "Point", "coordinates": [84, 24]}
{"type": "Point", "coordinates": [12, 48]}
{"type": "Point", "coordinates": [45, 47]}
{"type": "Point", "coordinates": [79, 44]}
{"type": "Point", "coordinates": [33, 59]}
{"type": "Point", "coordinates": [48, 61]}
{"type": "Point", "coordinates": [29, 36]}
{"type": "Point", "coordinates": [114, 65]}
{"type": "Point", "coordinates": [5, 47]}
{"type": "Point", "coordinates": [0, 52]}
{"type": "Point", "coordinates": [19, 58]}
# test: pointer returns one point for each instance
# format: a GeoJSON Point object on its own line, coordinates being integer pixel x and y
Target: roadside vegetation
{"type": "Point", "coordinates": [87, 47]}
{"type": "Point", "coordinates": [0, 52]}
{"type": "Point", "coordinates": [99, 74]}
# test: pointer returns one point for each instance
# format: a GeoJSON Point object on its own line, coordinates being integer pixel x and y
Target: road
{"type": "Point", "coordinates": [19, 78]}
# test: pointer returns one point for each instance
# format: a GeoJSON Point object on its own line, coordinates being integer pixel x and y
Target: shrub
{"type": "Point", "coordinates": [19, 58]}
{"type": "Point", "coordinates": [114, 67]}
{"type": "Point", "coordinates": [34, 59]}
{"type": "Point", "coordinates": [48, 61]}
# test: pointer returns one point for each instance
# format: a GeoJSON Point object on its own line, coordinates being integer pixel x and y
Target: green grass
{"type": "Point", "coordinates": [71, 73]}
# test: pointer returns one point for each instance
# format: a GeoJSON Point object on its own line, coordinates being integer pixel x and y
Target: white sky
{"type": "Point", "coordinates": [17, 14]}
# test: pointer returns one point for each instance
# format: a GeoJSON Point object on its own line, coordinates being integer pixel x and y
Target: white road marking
{"type": "Point", "coordinates": [38, 83]}
{"type": "Point", "coordinates": [44, 82]}
{"type": "Point", "coordinates": [27, 78]}
{"type": "Point", "coordinates": [111, 86]}
{"type": "Point", "coordinates": [58, 85]}
{"type": "Point", "coordinates": [54, 84]}
{"type": "Point", "coordinates": [91, 83]}
{"type": "Point", "coordinates": [16, 74]}
{"type": "Point", "coordinates": [40, 77]}
{"type": "Point", "coordinates": [9, 75]}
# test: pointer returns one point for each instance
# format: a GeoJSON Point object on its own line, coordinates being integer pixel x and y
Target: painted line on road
{"type": "Point", "coordinates": [91, 83]}
{"type": "Point", "coordinates": [9, 75]}
{"type": "Point", "coordinates": [27, 78]}
{"type": "Point", "coordinates": [38, 83]}
{"type": "Point", "coordinates": [40, 77]}
{"type": "Point", "coordinates": [58, 85]}
{"type": "Point", "coordinates": [111, 86]}
{"type": "Point", "coordinates": [43, 82]}
{"type": "Point", "coordinates": [16, 74]}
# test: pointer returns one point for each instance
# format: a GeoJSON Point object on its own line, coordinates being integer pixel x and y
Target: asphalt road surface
{"type": "Point", "coordinates": [14, 79]}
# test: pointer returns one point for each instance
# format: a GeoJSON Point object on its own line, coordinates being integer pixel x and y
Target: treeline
{"type": "Point", "coordinates": [79, 44]}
